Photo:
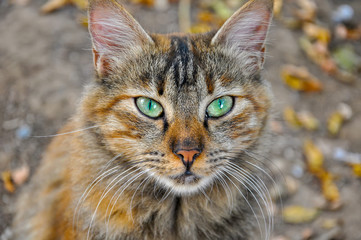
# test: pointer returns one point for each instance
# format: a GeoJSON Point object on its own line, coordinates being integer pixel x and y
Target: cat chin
{"type": "Point", "coordinates": [186, 186]}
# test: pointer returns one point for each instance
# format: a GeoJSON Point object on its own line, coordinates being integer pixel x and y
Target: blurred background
{"type": "Point", "coordinates": [313, 63]}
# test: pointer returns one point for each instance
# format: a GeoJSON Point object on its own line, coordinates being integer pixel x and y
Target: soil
{"type": "Point", "coordinates": [45, 60]}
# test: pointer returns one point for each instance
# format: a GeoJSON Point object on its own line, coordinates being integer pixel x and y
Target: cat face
{"type": "Point", "coordinates": [180, 107]}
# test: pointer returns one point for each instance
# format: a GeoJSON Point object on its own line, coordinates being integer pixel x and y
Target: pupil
{"type": "Point", "coordinates": [150, 105]}
{"type": "Point", "coordinates": [220, 103]}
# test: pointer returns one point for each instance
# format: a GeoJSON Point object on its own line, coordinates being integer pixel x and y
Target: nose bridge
{"type": "Point", "coordinates": [185, 134]}
{"type": "Point", "coordinates": [189, 135]}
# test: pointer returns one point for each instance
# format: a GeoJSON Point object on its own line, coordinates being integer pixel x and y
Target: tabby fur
{"type": "Point", "coordinates": [112, 173]}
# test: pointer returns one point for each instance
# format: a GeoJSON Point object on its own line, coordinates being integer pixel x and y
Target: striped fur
{"type": "Point", "coordinates": [119, 176]}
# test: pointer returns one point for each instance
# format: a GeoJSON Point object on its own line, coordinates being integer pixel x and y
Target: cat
{"type": "Point", "coordinates": [164, 143]}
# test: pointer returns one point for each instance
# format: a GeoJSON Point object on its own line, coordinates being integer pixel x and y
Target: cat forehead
{"type": "Point", "coordinates": [182, 68]}
{"type": "Point", "coordinates": [181, 61]}
{"type": "Point", "coordinates": [188, 63]}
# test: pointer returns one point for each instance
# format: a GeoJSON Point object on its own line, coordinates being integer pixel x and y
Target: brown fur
{"type": "Point", "coordinates": [143, 197]}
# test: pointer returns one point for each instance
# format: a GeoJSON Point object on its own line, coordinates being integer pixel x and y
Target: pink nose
{"type": "Point", "coordinates": [188, 156]}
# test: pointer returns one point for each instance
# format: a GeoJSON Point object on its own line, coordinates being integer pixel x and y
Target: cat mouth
{"type": "Point", "coordinates": [186, 178]}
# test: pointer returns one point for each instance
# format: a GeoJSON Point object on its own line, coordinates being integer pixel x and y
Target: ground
{"type": "Point", "coordinates": [45, 60]}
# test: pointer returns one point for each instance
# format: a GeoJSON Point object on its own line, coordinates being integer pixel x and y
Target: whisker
{"type": "Point", "coordinates": [106, 191]}
{"type": "Point", "coordinates": [244, 197]}
{"type": "Point", "coordinates": [255, 198]}
{"type": "Point", "coordinates": [131, 180]}
{"type": "Point", "coordinates": [166, 195]}
{"type": "Point", "coordinates": [269, 177]}
{"type": "Point", "coordinates": [227, 189]}
{"type": "Point", "coordinates": [75, 131]}
{"type": "Point", "coordinates": [131, 201]}
{"type": "Point", "coordinates": [259, 186]}
{"type": "Point", "coordinates": [90, 188]}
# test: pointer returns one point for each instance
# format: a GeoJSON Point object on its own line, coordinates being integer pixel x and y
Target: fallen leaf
{"type": "Point", "coordinates": [206, 16]}
{"type": "Point", "coordinates": [318, 52]}
{"type": "Point", "coordinates": [302, 119]}
{"type": "Point", "coordinates": [221, 9]}
{"type": "Point", "coordinates": [334, 123]}
{"type": "Point", "coordinates": [200, 28]}
{"type": "Point", "coordinates": [53, 5]}
{"type": "Point", "coordinates": [314, 31]}
{"type": "Point", "coordinates": [345, 77]}
{"type": "Point", "coordinates": [277, 7]}
{"type": "Point", "coordinates": [306, 11]}
{"type": "Point", "coordinates": [307, 233]}
{"type": "Point", "coordinates": [330, 223]}
{"type": "Point", "coordinates": [81, 4]}
{"type": "Point", "coordinates": [148, 3]}
{"type": "Point", "coordinates": [20, 175]}
{"type": "Point", "coordinates": [291, 118]}
{"type": "Point", "coordinates": [337, 118]}
{"type": "Point", "coordinates": [346, 58]}
{"type": "Point", "coordinates": [343, 32]}
{"type": "Point", "coordinates": [329, 188]}
{"type": "Point", "coordinates": [8, 183]}
{"type": "Point", "coordinates": [314, 158]}
{"type": "Point", "coordinates": [83, 20]}
{"type": "Point", "coordinates": [356, 168]}
{"type": "Point", "coordinates": [298, 214]}
{"type": "Point", "coordinates": [300, 79]}
{"type": "Point", "coordinates": [307, 120]}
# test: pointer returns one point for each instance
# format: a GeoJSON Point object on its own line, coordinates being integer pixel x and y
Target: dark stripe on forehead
{"type": "Point", "coordinates": [182, 60]}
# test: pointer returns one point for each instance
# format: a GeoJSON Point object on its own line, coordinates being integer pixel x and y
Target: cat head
{"type": "Point", "coordinates": [179, 107]}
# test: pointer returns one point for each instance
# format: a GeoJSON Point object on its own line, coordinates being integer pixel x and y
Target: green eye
{"type": "Point", "coordinates": [149, 107]}
{"type": "Point", "coordinates": [220, 107]}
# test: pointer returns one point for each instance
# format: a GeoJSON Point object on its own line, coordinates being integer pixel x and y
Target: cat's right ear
{"type": "Point", "coordinates": [245, 32]}
{"type": "Point", "coordinates": [115, 34]}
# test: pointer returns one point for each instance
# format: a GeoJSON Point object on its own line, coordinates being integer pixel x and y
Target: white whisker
{"type": "Point", "coordinates": [75, 131]}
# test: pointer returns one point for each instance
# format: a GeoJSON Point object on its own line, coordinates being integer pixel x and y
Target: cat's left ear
{"type": "Point", "coordinates": [115, 34]}
{"type": "Point", "coordinates": [245, 32]}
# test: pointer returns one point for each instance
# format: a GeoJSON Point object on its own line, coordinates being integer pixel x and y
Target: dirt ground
{"type": "Point", "coordinates": [45, 60]}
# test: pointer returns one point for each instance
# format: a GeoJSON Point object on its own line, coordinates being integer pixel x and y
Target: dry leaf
{"type": "Point", "coordinates": [300, 79]}
{"type": "Point", "coordinates": [346, 58]}
{"type": "Point", "coordinates": [291, 118]}
{"type": "Point", "coordinates": [206, 17]}
{"type": "Point", "coordinates": [337, 118]}
{"type": "Point", "coordinates": [81, 4]}
{"type": "Point", "coordinates": [307, 10]}
{"type": "Point", "coordinates": [8, 183]}
{"type": "Point", "coordinates": [221, 9]}
{"type": "Point", "coordinates": [341, 31]}
{"type": "Point", "coordinates": [200, 28]}
{"type": "Point", "coordinates": [307, 120]}
{"type": "Point", "coordinates": [330, 223]}
{"type": "Point", "coordinates": [329, 188]}
{"type": "Point", "coordinates": [53, 5]}
{"type": "Point", "coordinates": [314, 158]}
{"type": "Point", "coordinates": [148, 3]}
{"type": "Point", "coordinates": [318, 52]}
{"type": "Point", "coordinates": [299, 214]}
{"type": "Point", "coordinates": [356, 168]}
{"type": "Point", "coordinates": [316, 32]}
{"type": "Point", "coordinates": [83, 20]}
{"type": "Point", "coordinates": [20, 175]}
{"type": "Point", "coordinates": [307, 233]}
{"type": "Point", "coordinates": [334, 123]}
{"type": "Point", "coordinates": [302, 119]}
{"type": "Point", "coordinates": [277, 7]}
